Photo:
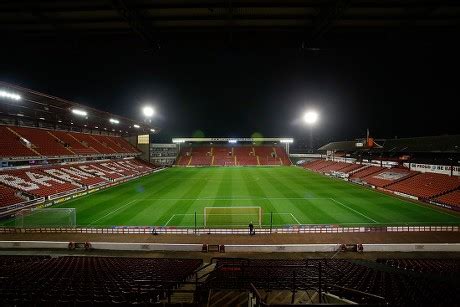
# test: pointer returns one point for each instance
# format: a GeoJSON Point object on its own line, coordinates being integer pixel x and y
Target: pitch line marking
{"type": "Point", "coordinates": [433, 209]}
{"type": "Point", "coordinates": [362, 214]}
{"type": "Point", "coordinates": [233, 198]}
{"type": "Point", "coordinates": [295, 219]}
{"type": "Point", "coordinates": [111, 212]}
{"type": "Point", "coordinates": [169, 220]}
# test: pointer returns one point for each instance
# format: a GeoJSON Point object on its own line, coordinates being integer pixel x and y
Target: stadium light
{"type": "Point", "coordinates": [114, 121]}
{"type": "Point", "coordinates": [310, 117]}
{"type": "Point", "coordinates": [148, 111]}
{"type": "Point", "coordinates": [136, 126]}
{"type": "Point", "coordinates": [9, 95]}
{"type": "Point", "coordinates": [232, 141]}
{"type": "Point", "coordinates": [286, 141]}
{"type": "Point", "coordinates": [79, 112]}
{"type": "Point", "coordinates": [152, 130]}
{"type": "Point", "coordinates": [42, 118]}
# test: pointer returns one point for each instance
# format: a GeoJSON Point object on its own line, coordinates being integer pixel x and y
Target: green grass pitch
{"type": "Point", "coordinates": [293, 196]}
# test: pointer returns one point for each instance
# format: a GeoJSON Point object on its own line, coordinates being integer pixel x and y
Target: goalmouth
{"type": "Point", "coordinates": [46, 217]}
{"type": "Point", "coordinates": [232, 216]}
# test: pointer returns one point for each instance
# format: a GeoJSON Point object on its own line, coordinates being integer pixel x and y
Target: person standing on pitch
{"type": "Point", "coordinates": [251, 229]}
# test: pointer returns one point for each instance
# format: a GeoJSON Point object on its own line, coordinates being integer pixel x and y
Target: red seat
{"type": "Point", "coordinates": [366, 172]}
{"type": "Point", "coordinates": [426, 185]}
{"type": "Point", "coordinates": [9, 196]}
{"type": "Point", "coordinates": [223, 156]}
{"type": "Point", "coordinates": [386, 177]}
{"type": "Point", "coordinates": [11, 145]}
{"type": "Point", "coordinates": [451, 198]}
{"type": "Point", "coordinates": [31, 142]}
{"type": "Point", "coordinates": [36, 182]}
{"type": "Point", "coordinates": [43, 142]}
{"type": "Point", "coordinates": [73, 144]}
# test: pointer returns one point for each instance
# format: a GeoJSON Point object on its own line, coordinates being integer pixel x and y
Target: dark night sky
{"type": "Point", "coordinates": [236, 92]}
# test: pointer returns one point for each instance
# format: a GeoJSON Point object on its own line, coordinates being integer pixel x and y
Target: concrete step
{"type": "Point", "coordinates": [228, 298]}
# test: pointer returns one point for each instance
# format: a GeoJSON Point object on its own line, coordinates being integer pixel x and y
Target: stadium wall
{"type": "Point", "coordinates": [432, 168]}
{"type": "Point", "coordinates": [144, 148]}
{"type": "Point", "coordinates": [234, 248]}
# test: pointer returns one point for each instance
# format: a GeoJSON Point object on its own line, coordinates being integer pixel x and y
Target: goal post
{"type": "Point", "coordinates": [46, 217]}
{"type": "Point", "coordinates": [232, 216]}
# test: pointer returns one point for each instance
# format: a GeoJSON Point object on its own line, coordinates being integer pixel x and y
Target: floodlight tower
{"type": "Point", "coordinates": [148, 112]}
{"type": "Point", "coordinates": [310, 118]}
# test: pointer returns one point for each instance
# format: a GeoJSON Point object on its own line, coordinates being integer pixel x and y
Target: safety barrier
{"type": "Point", "coordinates": [231, 231]}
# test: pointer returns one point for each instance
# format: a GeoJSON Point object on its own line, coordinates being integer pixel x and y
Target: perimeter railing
{"type": "Point", "coordinates": [229, 231]}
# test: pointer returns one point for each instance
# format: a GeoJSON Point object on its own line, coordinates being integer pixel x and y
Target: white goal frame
{"type": "Point", "coordinates": [19, 217]}
{"type": "Point", "coordinates": [239, 208]}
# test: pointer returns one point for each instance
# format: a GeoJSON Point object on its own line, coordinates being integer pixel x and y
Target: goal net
{"type": "Point", "coordinates": [232, 216]}
{"type": "Point", "coordinates": [46, 217]}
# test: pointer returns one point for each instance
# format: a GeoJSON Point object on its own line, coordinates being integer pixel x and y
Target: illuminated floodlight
{"type": "Point", "coordinates": [232, 141]}
{"type": "Point", "coordinates": [136, 126]}
{"type": "Point", "coordinates": [177, 141]}
{"type": "Point", "coordinates": [96, 127]}
{"type": "Point", "coordinates": [42, 118]}
{"type": "Point", "coordinates": [152, 130]}
{"type": "Point", "coordinates": [9, 95]}
{"type": "Point", "coordinates": [148, 111]}
{"type": "Point", "coordinates": [310, 117]}
{"type": "Point", "coordinates": [114, 121]}
{"type": "Point", "coordinates": [59, 121]}
{"type": "Point", "coordinates": [286, 141]}
{"type": "Point", "coordinates": [79, 112]}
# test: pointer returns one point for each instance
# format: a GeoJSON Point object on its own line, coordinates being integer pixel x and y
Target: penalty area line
{"type": "Point", "coordinates": [112, 212]}
{"type": "Point", "coordinates": [169, 220]}
{"type": "Point", "coordinates": [362, 214]}
{"type": "Point", "coordinates": [295, 219]}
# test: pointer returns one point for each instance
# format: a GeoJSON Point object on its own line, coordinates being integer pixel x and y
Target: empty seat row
{"type": "Point", "coordinates": [439, 187]}
{"type": "Point", "coordinates": [46, 181]}
{"type": "Point", "coordinates": [426, 185]}
{"type": "Point", "coordinates": [367, 172]}
{"type": "Point", "coordinates": [232, 155]}
{"type": "Point", "coordinates": [386, 177]}
{"type": "Point", "coordinates": [32, 142]}
{"type": "Point", "coordinates": [425, 265]}
{"type": "Point", "coordinates": [366, 280]}
{"type": "Point", "coordinates": [9, 196]}
{"type": "Point", "coordinates": [86, 281]}
{"type": "Point", "coordinates": [451, 198]}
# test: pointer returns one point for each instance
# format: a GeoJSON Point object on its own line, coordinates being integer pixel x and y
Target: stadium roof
{"type": "Point", "coordinates": [38, 107]}
{"type": "Point", "coordinates": [433, 144]}
{"type": "Point", "coordinates": [306, 23]}
{"type": "Point", "coordinates": [224, 139]}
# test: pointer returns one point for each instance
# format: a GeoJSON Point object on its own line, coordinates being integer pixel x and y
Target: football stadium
{"type": "Point", "coordinates": [169, 154]}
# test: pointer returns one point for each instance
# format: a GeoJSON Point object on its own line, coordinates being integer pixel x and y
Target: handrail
{"type": "Point", "coordinates": [357, 291]}
{"type": "Point", "coordinates": [257, 294]}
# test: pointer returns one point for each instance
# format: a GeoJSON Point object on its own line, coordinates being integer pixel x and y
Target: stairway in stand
{"type": "Point", "coordinates": [185, 294]}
